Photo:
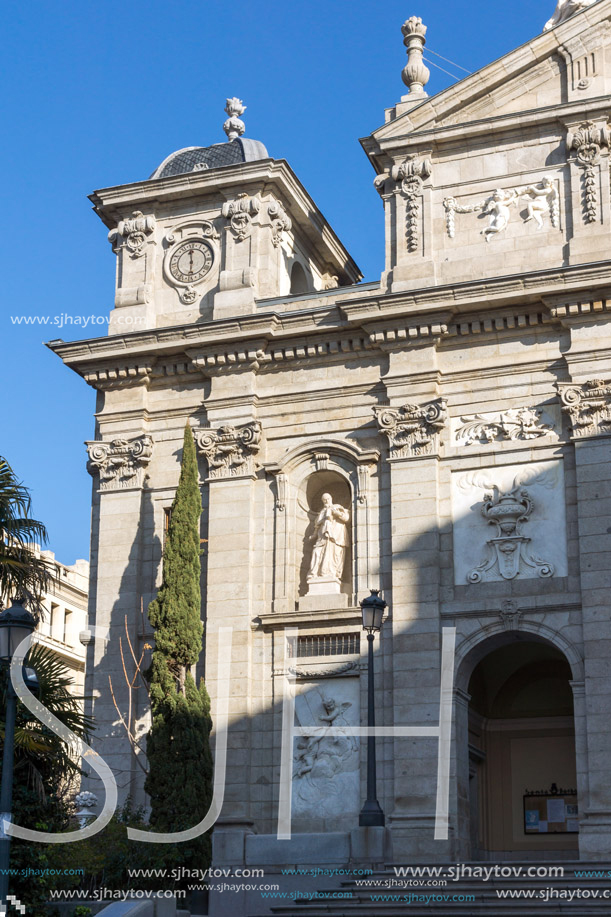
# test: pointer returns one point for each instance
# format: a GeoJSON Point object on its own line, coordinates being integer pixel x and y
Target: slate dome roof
{"type": "Point", "coordinates": [195, 158]}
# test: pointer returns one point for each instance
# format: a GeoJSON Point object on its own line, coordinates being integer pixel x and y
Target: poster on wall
{"type": "Point", "coordinates": [553, 811]}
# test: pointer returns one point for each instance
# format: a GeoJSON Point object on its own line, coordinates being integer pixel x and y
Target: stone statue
{"type": "Point", "coordinates": [541, 199]}
{"type": "Point", "coordinates": [330, 539]}
{"type": "Point", "coordinates": [497, 208]}
{"type": "Point", "coordinates": [564, 10]}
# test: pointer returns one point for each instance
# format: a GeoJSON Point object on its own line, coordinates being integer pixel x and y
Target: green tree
{"type": "Point", "coordinates": [179, 781]}
{"type": "Point", "coordinates": [22, 571]}
{"type": "Point", "coordinates": [45, 776]}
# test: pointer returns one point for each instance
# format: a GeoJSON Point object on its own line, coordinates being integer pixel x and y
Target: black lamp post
{"type": "Point", "coordinates": [16, 623]}
{"type": "Point", "coordinates": [373, 611]}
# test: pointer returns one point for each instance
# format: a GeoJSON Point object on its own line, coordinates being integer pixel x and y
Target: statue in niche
{"type": "Point", "coordinates": [330, 541]}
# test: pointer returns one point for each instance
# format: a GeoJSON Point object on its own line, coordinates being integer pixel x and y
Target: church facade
{"type": "Point", "coordinates": [443, 435]}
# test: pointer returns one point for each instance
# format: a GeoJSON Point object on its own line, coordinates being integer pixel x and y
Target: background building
{"type": "Point", "coordinates": [458, 415]}
{"type": "Point", "coordinates": [66, 617]}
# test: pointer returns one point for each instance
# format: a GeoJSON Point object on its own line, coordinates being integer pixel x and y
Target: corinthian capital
{"type": "Point", "coordinates": [120, 463]}
{"type": "Point", "coordinates": [412, 429]}
{"type": "Point", "coordinates": [587, 406]}
{"type": "Point", "coordinates": [230, 451]}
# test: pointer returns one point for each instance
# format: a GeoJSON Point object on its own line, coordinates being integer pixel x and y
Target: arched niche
{"type": "Point", "coordinates": [299, 280]}
{"type": "Point", "coordinates": [309, 505]}
{"type": "Point", "coordinates": [298, 482]}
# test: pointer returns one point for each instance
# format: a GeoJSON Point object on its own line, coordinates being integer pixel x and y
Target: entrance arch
{"type": "Point", "coordinates": [516, 693]}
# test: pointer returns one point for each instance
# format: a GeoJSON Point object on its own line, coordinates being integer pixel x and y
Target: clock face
{"type": "Point", "coordinates": [191, 261]}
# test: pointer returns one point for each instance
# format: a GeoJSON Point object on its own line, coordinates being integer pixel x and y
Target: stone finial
{"type": "Point", "coordinates": [415, 75]}
{"type": "Point", "coordinates": [233, 126]}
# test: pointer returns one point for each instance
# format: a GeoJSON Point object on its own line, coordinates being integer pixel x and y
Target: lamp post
{"type": "Point", "coordinates": [373, 607]}
{"type": "Point", "coordinates": [16, 623]}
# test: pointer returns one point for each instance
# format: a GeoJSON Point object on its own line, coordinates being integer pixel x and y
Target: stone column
{"type": "Point", "coordinates": [233, 530]}
{"type": "Point", "coordinates": [587, 406]}
{"type": "Point", "coordinates": [118, 468]}
{"type": "Point", "coordinates": [413, 434]}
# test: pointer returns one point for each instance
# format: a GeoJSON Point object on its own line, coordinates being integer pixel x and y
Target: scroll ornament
{"type": "Point", "coordinates": [412, 429]}
{"type": "Point", "coordinates": [586, 143]}
{"type": "Point", "coordinates": [230, 451]}
{"type": "Point", "coordinates": [407, 178]}
{"type": "Point", "coordinates": [281, 222]}
{"type": "Point", "coordinates": [587, 406]}
{"type": "Point", "coordinates": [133, 232]}
{"type": "Point", "coordinates": [508, 511]}
{"type": "Point", "coordinates": [239, 213]}
{"type": "Point", "coordinates": [121, 462]}
{"type": "Point", "coordinates": [514, 424]}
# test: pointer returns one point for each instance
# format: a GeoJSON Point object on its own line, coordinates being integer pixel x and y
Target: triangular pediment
{"type": "Point", "coordinates": [563, 64]}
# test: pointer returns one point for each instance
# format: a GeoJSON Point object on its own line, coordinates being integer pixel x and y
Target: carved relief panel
{"type": "Point", "coordinates": [509, 522]}
{"type": "Point", "coordinates": [325, 767]}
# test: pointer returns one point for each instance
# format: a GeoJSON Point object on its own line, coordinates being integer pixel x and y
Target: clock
{"type": "Point", "coordinates": [191, 261]}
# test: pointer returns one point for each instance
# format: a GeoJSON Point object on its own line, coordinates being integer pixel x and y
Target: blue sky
{"type": "Point", "coordinates": [97, 94]}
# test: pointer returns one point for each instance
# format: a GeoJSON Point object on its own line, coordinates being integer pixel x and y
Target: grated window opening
{"type": "Point", "coordinates": [325, 645]}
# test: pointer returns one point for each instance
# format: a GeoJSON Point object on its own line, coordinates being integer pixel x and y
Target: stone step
{"type": "Point", "coordinates": [486, 901]}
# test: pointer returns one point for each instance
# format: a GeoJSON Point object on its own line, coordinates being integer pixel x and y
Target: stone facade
{"type": "Point", "coordinates": [64, 626]}
{"type": "Point", "coordinates": [459, 410]}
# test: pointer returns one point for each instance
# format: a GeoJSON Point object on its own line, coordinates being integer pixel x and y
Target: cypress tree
{"type": "Point", "coordinates": [179, 781]}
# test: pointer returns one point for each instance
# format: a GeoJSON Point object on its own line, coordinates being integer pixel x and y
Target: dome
{"type": "Point", "coordinates": [194, 158]}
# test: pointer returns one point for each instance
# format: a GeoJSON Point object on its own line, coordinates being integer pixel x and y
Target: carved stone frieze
{"type": "Point", "coordinates": [540, 200]}
{"type": "Point", "coordinates": [281, 222]}
{"type": "Point", "coordinates": [587, 406]}
{"type": "Point", "coordinates": [586, 143]}
{"type": "Point", "coordinates": [132, 234]}
{"type": "Point", "coordinates": [230, 451]}
{"type": "Point", "coordinates": [412, 430]}
{"type": "Point", "coordinates": [121, 462]}
{"type": "Point", "coordinates": [509, 549]}
{"type": "Point", "coordinates": [239, 212]}
{"type": "Point", "coordinates": [514, 424]}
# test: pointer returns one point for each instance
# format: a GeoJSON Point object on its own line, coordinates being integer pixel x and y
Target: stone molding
{"type": "Point", "coordinates": [587, 406]}
{"type": "Point", "coordinates": [132, 234]}
{"type": "Point", "coordinates": [514, 424]}
{"type": "Point", "coordinates": [509, 511]}
{"type": "Point", "coordinates": [240, 212]}
{"type": "Point", "coordinates": [230, 451]}
{"type": "Point", "coordinates": [120, 463]}
{"type": "Point", "coordinates": [586, 143]}
{"type": "Point", "coordinates": [510, 615]}
{"type": "Point", "coordinates": [281, 222]}
{"type": "Point", "coordinates": [412, 430]}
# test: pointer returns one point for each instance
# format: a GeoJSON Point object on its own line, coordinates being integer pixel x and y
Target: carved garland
{"type": "Point", "coordinates": [230, 451]}
{"type": "Point", "coordinates": [121, 462]}
{"type": "Point", "coordinates": [588, 406]}
{"type": "Point", "coordinates": [587, 143]}
{"type": "Point", "coordinates": [407, 179]}
{"type": "Point", "coordinates": [411, 429]}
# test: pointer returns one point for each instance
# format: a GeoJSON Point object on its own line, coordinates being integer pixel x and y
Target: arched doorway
{"type": "Point", "coordinates": [519, 718]}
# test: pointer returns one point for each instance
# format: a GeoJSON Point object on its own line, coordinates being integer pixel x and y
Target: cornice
{"type": "Point", "coordinates": [345, 330]}
{"type": "Point", "coordinates": [268, 175]}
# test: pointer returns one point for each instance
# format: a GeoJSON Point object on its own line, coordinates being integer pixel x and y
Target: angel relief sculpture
{"type": "Point", "coordinates": [540, 200]}
{"type": "Point", "coordinates": [324, 764]}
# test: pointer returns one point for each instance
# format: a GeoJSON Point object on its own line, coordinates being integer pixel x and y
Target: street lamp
{"type": "Point", "coordinates": [16, 623]}
{"type": "Point", "coordinates": [372, 607]}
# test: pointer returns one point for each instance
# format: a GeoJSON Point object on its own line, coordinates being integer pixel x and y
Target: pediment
{"type": "Point", "coordinates": [567, 63]}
